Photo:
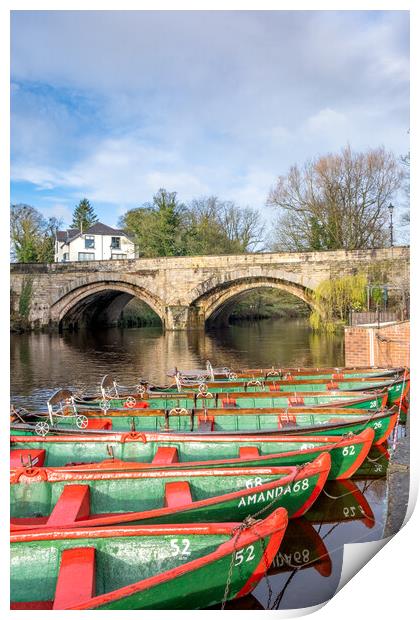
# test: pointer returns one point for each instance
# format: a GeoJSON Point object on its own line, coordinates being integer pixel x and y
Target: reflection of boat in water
{"type": "Point", "coordinates": [302, 547]}
{"type": "Point", "coordinates": [375, 464]}
{"type": "Point", "coordinates": [341, 500]}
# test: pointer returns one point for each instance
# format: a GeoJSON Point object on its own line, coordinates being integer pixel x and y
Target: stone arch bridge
{"type": "Point", "coordinates": [185, 292]}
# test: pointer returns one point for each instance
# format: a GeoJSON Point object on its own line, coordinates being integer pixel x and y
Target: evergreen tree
{"type": "Point", "coordinates": [158, 226]}
{"type": "Point", "coordinates": [84, 216]}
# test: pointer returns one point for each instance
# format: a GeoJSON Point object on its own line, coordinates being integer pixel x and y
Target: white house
{"type": "Point", "coordinates": [99, 242]}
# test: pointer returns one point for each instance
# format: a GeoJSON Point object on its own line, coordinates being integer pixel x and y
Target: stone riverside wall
{"type": "Point", "coordinates": [183, 291]}
{"type": "Point", "coordinates": [385, 346]}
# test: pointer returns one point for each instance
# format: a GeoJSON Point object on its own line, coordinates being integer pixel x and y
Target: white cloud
{"type": "Point", "coordinates": [325, 120]}
{"type": "Point", "coordinates": [60, 211]}
{"type": "Point", "coordinates": [215, 102]}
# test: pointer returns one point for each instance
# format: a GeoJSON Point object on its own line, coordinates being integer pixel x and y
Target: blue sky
{"type": "Point", "coordinates": [113, 105]}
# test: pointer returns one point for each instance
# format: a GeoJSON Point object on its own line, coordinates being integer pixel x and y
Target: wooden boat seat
{"type": "Point", "coordinates": [76, 577]}
{"type": "Point", "coordinates": [287, 419]}
{"type": "Point", "coordinates": [104, 424]}
{"type": "Point", "coordinates": [332, 385]}
{"type": "Point", "coordinates": [205, 424]}
{"type": "Point", "coordinates": [177, 494]}
{"type": "Point", "coordinates": [248, 452]}
{"type": "Point", "coordinates": [27, 458]}
{"type": "Point", "coordinates": [73, 504]}
{"type": "Point", "coordinates": [165, 456]}
{"type": "Point", "coordinates": [229, 403]}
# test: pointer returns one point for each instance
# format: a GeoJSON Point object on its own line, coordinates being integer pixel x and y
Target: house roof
{"type": "Point", "coordinates": [66, 236]}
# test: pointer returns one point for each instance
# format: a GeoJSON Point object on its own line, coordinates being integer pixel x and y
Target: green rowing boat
{"type": "Point", "coordinates": [142, 566]}
{"type": "Point", "coordinates": [157, 451]}
{"type": "Point", "coordinates": [210, 373]}
{"type": "Point", "coordinates": [334, 422]}
{"type": "Point", "coordinates": [242, 400]}
{"type": "Point", "coordinates": [87, 499]}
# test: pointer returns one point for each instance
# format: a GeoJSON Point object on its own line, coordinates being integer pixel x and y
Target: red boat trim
{"type": "Point", "coordinates": [164, 437]}
{"type": "Point", "coordinates": [406, 388]}
{"type": "Point", "coordinates": [62, 475]}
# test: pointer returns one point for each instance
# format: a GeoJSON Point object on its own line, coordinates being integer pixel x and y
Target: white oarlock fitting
{"type": "Point", "coordinates": [42, 428]}
{"type": "Point", "coordinates": [81, 421]}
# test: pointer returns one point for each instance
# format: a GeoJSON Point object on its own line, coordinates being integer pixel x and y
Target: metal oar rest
{"type": "Point", "coordinates": [204, 394]}
{"type": "Point", "coordinates": [110, 389]}
{"type": "Point", "coordinates": [178, 411]}
{"type": "Point", "coordinates": [61, 405]}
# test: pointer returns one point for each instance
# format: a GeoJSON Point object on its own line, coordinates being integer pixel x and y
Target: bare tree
{"type": "Point", "coordinates": [32, 236]}
{"type": "Point", "coordinates": [222, 227]}
{"type": "Point", "coordinates": [338, 201]}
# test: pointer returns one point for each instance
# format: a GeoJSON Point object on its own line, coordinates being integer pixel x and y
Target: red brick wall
{"type": "Point", "coordinates": [370, 346]}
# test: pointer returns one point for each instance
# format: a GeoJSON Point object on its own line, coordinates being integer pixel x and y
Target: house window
{"type": "Point", "coordinates": [65, 256]}
{"type": "Point", "coordinates": [86, 256]}
{"type": "Point", "coordinates": [118, 256]}
{"type": "Point", "coordinates": [89, 242]}
{"type": "Point", "coordinates": [115, 243]}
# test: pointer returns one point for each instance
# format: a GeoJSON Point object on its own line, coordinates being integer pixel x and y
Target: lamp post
{"type": "Point", "coordinates": [391, 228]}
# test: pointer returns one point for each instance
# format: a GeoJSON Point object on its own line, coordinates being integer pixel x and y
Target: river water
{"type": "Point", "coordinates": [307, 571]}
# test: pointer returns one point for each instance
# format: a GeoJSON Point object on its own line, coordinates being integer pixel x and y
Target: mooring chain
{"type": "Point", "coordinates": [247, 522]}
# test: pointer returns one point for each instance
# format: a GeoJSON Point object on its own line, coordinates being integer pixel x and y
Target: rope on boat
{"type": "Point", "coordinates": [334, 497]}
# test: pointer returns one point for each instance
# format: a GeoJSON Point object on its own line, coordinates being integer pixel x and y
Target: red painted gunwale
{"type": "Point", "coordinates": [365, 437]}
{"type": "Point", "coordinates": [179, 437]}
{"type": "Point", "coordinates": [362, 396]}
{"type": "Point", "coordinates": [320, 466]}
{"type": "Point", "coordinates": [274, 526]}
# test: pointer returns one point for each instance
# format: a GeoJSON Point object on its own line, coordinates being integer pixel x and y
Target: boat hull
{"type": "Point", "coordinates": [157, 451]}
{"type": "Point", "coordinates": [203, 496]}
{"type": "Point", "coordinates": [142, 567]}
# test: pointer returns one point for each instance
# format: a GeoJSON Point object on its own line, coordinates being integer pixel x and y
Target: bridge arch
{"type": "Point", "coordinates": [100, 302]}
{"type": "Point", "coordinates": [215, 305]}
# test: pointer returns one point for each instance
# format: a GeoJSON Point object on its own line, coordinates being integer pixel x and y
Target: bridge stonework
{"type": "Point", "coordinates": [185, 292]}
